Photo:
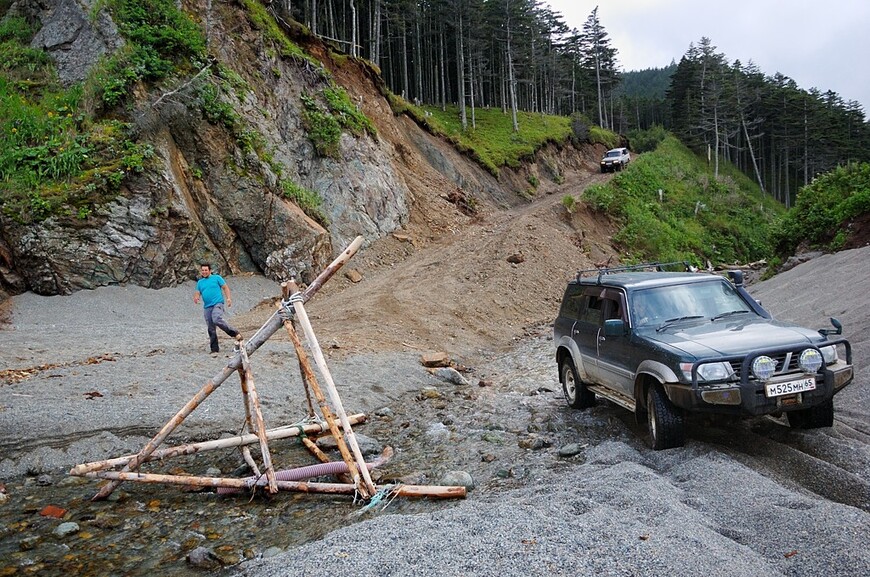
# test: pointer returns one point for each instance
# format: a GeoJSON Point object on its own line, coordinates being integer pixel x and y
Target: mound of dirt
{"type": "Point", "coordinates": [485, 281]}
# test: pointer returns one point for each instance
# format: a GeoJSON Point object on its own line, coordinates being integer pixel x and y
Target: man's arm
{"type": "Point", "coordinates": [196, 296]}
{"type": "Point", "coordinates": [227, 296]}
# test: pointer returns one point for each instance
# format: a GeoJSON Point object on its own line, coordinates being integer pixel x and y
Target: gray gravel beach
{"type": "Point", "coordinates": [753, 498]}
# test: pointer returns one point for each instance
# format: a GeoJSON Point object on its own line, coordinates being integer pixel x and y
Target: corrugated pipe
{"type": "Point", "coordinates": [298, 474]}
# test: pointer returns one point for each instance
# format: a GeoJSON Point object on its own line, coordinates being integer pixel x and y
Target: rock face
{"type": "Point", "coordinates": [206, 195]}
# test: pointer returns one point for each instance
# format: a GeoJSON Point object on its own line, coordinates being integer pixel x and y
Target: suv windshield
{"type": "Point", "coordinates": [707, 300]}
{"type": "Point", "coordinates": [612, 154]}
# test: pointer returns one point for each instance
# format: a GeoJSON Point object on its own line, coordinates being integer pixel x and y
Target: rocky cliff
{"type": "Point", "coordinates": [207, 195]}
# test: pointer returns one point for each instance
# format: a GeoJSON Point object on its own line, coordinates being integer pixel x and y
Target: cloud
{"type": "Point", "coordinates": [817, 44]}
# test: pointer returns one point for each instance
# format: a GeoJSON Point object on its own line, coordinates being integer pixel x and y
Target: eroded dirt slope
{"type": "Point", "coordinates": [481, 284]}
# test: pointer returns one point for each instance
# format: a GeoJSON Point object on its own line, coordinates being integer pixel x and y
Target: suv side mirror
{"type": "Point", "coordinates": [614, 327]}
{"type": "Point", "coordinates": [837, 330]}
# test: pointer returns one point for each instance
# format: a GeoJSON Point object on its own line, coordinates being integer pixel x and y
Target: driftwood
{"type": "Point", "coordinates": [261, 336]}
{"type": "Point", "coordinates": [247, 378]}
{"type": "Point", "coordinates": [369, 489]}
{"type": "Point", "coordinates": [434, 491]}
{"type": "Point", "coordinates": [310, 380]}
{"type": "Point", "coordinates": [357, 482]}
{"type": "Point", "coordinates": [278, 433]}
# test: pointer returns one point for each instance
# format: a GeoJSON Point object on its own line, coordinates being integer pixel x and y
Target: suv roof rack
{"type": "Point", "coordinates": [655, 266]}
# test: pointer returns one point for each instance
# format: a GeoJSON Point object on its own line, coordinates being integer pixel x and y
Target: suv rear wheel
{"type": "Point", "coordinates": [576, 393]}
{"type": "Point", "coordinates": [665, 421]}
{"type": "Point", "coordinates": [814, 417]}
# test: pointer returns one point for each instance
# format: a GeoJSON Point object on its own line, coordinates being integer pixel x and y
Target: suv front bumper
{"type": "Point", "coordinates": [748, 399]}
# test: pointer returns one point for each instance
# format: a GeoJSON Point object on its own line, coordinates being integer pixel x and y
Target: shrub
{"type": "Point", "coordinates": [308, 200]}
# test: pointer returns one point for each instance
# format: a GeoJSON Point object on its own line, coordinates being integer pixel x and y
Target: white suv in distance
{"type": "Point", "coordinates": [615, 159]}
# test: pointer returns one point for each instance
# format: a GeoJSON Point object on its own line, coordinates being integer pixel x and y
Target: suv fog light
{"type": "Point", "coordinates": [763, 367]}
{"type": "Point", "coordinates": [830, 354]}
{"type": "Point", "coordinates": [810, 361]}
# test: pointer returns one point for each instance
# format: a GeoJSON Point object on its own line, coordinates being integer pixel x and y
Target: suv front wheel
{"type": "Point", "coordinates": [576, 393]}
{"type": "Point", "coordinates": [665, 421]}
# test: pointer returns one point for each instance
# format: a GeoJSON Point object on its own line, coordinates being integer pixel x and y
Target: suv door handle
{"type": "Point", "coordinates": [601, 338]}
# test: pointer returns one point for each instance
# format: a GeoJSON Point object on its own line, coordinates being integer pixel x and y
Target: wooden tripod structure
{"type": "Point", "coordinates": [355, 471]}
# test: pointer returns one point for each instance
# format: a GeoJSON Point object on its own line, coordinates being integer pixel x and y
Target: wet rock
{"type": "Point", "coordinates": [44, 481]}
{"type": "Point", "coordinates": [66, 529]}
{"type": "Point", "coordinates": [53, 511]}
{"type": "Point", "coordinates": [203, 558]}
{"type": "Point", "coordinates": [438, 431]}
{"type": "Point", "coordinates": [571, 449]}
{"type": "Point", "coordinates": [28, 543]}
{"type": "Point", "coordinates": [271, 552]}
{"type": "Point", "coordinates": [534, 443]}
{"type": "Point", "coordinates": [458, 479]}
{"type": "Point", "coordinates": [450, 375]}
{"type": "Point", "coordinates": [430, 393]}
{"type": "Point", "coordinates": [367, 445]}
{"type": "Point", "coordinates": [491, 437]}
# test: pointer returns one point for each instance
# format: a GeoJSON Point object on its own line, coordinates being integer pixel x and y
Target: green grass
{"type": "Point", "coordinates": [493, 143]}
{"type": "Point", "coordinates": [698, 218]}
{"type": "Point", "coordinates": [823, 210]}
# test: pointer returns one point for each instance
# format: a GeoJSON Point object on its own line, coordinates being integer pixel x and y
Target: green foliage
{"type": "Point", "coordinates": [598, 135]}
{"type": "Point", "coordinates": [570, 203]}
{"type": "Point", "coordinates": [54, 160]}
{"type": "Point", "coordinates": [493, 143]}
{"type": "Point", "coordinates": [308, 200]}
{"type": "Point", "coordinates": [824, 209]}
{"type": "Point", "coordinates": [533, 180]}
{"type": "Point", "coordinates": [322, 128]}
{"type": "Point", "coordinates": [263, 21]}
{"type": "Point", "coordinates": [348, 115]}
{"type": "Point", "coordinates": [696, 218]}
{"type": "Point", "coordinates": [160, 39]}
{"type": "Point", "coordinates": [647, 140]}
{"type": "Point", "coordinates": [324, 124]}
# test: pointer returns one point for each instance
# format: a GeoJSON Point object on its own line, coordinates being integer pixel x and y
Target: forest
{"type": "Point", "coordinates": [521, 55]}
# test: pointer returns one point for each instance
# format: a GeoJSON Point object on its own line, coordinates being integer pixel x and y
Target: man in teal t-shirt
{"type": "Point", "coordinates": [215, 292]}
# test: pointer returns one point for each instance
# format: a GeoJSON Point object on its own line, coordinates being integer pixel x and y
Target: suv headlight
{"type": "Point", "coordinates": [709, 372]}
{"type": "Point", "coordinates": [763, 367]}
{"type": "Point", "coordinates": [830, 354]}
{"type": "Point", "coordinates": [810, 361]}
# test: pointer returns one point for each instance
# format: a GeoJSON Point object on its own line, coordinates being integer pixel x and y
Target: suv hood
{"type": "Point", "coordinates": [729, 338]}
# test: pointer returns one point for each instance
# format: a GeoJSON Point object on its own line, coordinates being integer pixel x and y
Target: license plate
{"type": "Point", "coordinates": [790, 387]}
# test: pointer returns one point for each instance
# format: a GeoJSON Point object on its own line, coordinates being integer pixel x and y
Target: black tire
{"type": "Point", "coordinates": [814, 417]}
{"type": "Point", "coordinates": [576, 394]}
{"type": "Point", "coordinates": [665, 421]}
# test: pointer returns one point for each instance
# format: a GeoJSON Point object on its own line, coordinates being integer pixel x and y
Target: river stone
{"type": "Point", "coordinates": [367, 445]}
{"type": "Point", "coordinates": [458, 479]}
{"type": "Point", "coordinates": [65, 529]}
{"type": "Point", "coordinates": [450, 375]}
{"type": "Point", "coordinates": [272, 551]}
{"type": "Point", "coordinates": [203, 558]}
{"type": "Point", "coordinates": [571, 449]}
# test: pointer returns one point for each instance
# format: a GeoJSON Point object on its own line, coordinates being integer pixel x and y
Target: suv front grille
{"type": "Point", "coordinates": [785, 363]}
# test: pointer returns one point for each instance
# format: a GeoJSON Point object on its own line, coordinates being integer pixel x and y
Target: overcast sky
{"type": "Point", "coordinates": [823, 43]}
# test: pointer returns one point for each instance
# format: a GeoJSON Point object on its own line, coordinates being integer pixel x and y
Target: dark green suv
{"type": "Point", "coordinates": [664, 343]}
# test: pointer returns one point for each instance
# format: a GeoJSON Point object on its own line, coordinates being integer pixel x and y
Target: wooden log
{"type": "Point", "coordinates": [192, 448]}
{"type": "Point", "coordinates": [324, 458]}
{"type": "Point", "coordinates": [368, 489]}
{"type": "Point", "coordinates": [259, 424]}
{"type": "Point", "coordinates": [432, 491]}
{"type": "Point", "coordinates": [311, 378]}
{"type": "Point", "coordinates": [255, 342]}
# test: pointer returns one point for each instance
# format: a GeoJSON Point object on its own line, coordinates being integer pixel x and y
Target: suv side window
{"type": "Point", "coordinates": [572, 303]}
{"type": "Point", "coordinates": [592, 313]}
